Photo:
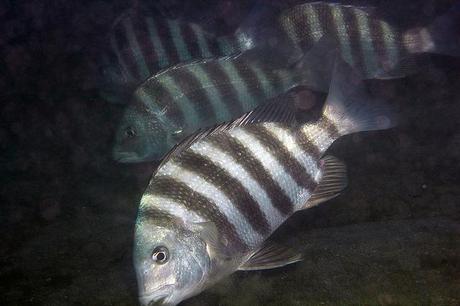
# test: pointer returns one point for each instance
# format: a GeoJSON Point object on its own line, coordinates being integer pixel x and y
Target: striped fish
{"type": "Point", "coordinates": [182, 99]}
{"type": "Point", "coordinates": [219, 195]}
{"type": "Point", "coordinates": [371, 45]}
{"type": "Point", "coordinates": [143, 44]}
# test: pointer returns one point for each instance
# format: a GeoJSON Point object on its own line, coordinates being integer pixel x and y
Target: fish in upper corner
{"type": "Point", "coordinates": [141, 44]}
{"type": "Point", "coordinates": [368, 43]}
{"type": "Point", "coordinates": [218, 196]}
{"type": "Point", "coordinates": [182, 99]}
{"type": "Point", "coordinates": [219, 16]}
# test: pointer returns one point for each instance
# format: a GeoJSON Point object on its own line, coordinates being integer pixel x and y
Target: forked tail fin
{"type": "Point", "coordinates": [348, 107]}
{"type": "Point", "coordinates": [441, 37]}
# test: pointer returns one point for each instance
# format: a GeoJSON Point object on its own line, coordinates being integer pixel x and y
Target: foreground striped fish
{"type": "Point", "coordinates": [371, 45]}
{"type": "Point", "coordinates": [141, 45]}
{"type": "Point", "coordinates": [180, 100]}
{"type": "Point", "coordinates": [218, 196]}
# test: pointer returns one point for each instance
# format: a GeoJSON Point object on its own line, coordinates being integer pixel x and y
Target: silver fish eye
{"type": "Point", "coordinates": [130, 132]}
{"type": "Point", "coordinates": [160, 255]}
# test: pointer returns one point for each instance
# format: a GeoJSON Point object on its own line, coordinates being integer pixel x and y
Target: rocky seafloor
{"type": "Point", "coordinates": [67, 210]}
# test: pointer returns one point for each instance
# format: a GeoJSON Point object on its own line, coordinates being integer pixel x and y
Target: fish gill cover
{"type": "Point", "coordinates": [68, 210]}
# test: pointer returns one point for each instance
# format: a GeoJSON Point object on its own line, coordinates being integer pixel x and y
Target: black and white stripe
{"type": "Point", "coordinates": [283, 177]}
{"type": "Point", "coordinates": [210, 92]}
{"type": "Point", "coordinates": [145, 44]}
{"type": "Point", "coordinates": [366, 42]}
{"type": "Point", "coordinates": [254, 166]}
{"type": "Point", "coordinates": [214, 195]}
{"type": "Point", "coordinates": [272, 139]}
{"type": "Point", "coordinates": [246, 180]}
{"type": "Point", "coordinates": [200, 203]}
{"type": "Point", "coordinates": [215, 91]}
{"type": "Point", "coordinates": [241, 184]}
{"type": "Point", "coordinates": [204, 163]}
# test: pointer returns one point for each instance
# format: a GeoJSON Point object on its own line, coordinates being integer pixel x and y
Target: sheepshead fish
{"type": "Point", "coordinates": [219, 195]}
{"type": "Point", "coordinates": [141, 44]}
{"type": "Point", "coordinates": [180, 100]}
{"type": "Point", "coordinates": [369, 44]}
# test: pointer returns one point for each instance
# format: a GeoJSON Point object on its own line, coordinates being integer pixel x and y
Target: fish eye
{"type": "Point", "coordinates": [160, 255]}
{"type": "Point", "coordinates": [130, 132]}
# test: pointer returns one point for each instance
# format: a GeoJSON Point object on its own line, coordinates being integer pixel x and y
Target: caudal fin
{"type": "Point", "coordinates": [348, 106]}
{"type": "Point", "coordinates": [441, 37]}
{"type": "Point", "coordinates": [444, 33]}
{"type": "Point", "coordinates": [260, 33]}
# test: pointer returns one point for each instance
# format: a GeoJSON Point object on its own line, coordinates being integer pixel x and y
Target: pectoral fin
{"type": "Point", "coordinates": [334, 180]}
{"type": "Point", "coordinates": [271, 256]}
{"type": "Point", "coordinates": [216, 246]}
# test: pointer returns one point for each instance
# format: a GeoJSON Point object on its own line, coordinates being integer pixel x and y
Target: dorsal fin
{"type": "Point", "coordinates": [370, 10]}
{"type": "Point", "coordinates": [279, 109]}
{"type": "Point", "coordinates": [183, 64]}
{"type": "Point", "coordinates": [117, 20]}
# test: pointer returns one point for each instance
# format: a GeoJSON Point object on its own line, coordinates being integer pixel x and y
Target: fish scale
{"type": "Point", "coordinates": [289, 164]}
{"type": "Point", "coordinates": [370, 44]}
{"type": "Point", "coordinates": [217, 197]}
{"type": "Point", "coordinates": [361, 39]}
{"type": "Point", "coordinates": [207, 92]}
{"type": "Point", "coordinates": [200, 177]}
{"type": "Point", "coordinates": [143, 44]}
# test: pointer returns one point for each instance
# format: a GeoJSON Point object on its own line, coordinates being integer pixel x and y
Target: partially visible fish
{"type": "Point", "coordinates": [218, 15]}
{"type": "Point", "coordinates": [176, 102]}
{"type": "Point", "coordinates": [219, 195]}
{"type": "Point", "coordinates": [371, 45]}
{"type": "Point", "coordinates": [142, 44]}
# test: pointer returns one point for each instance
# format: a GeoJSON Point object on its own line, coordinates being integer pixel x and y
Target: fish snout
{"type": "Point", "coordinates": [124, 157]}
{"type": "Point", "coordinates": [157, 299]}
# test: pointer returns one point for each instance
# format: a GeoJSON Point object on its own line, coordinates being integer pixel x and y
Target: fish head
{"type": "Point", "coordinates": [140, 136]}
{"type": "Point", "coordinates": [171, 264]}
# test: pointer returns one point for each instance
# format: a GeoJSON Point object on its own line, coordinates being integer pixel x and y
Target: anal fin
{"type": "Point", "coordinates": [334, 180]}
{"type": "Point", "coordinates": [271, 256]}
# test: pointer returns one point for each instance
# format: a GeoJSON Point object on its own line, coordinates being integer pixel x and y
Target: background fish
{"type": "Point", "coordinates": [216, 198]}
{"type": "Point", "coordinates": [180, 100]}
{"type": "Point", "coordinates": [141, 44]}
{"type": "Point", "coordinates": [371, 45]}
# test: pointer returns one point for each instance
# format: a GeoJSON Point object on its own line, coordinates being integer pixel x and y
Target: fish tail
{"type": "Point", "coordinates": [441, 37]}
{"type": "Point", "coordinates": [350, 109]}
{"type": "Point", "coordinates": [260, 31]}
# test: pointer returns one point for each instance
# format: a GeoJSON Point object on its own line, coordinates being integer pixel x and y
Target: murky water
{"type": "Point", "coordinates": [68, 210]}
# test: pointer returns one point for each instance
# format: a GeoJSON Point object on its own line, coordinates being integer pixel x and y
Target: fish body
{"type": "Point", "coordinates": [142, 44]}
{"type": "Point", "coordinates": [219, 195]}
{"type": "Point", "coordinates": [180, 100]}
{"type": "Point", "coordinates": [368, 43]}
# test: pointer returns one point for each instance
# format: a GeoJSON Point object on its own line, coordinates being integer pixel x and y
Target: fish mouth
{"type": "Point", "coordinates": [125, 157]}
{"type": "Point", "coordinates": [157, 298]}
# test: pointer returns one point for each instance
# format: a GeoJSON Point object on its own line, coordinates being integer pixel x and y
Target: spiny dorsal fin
{"type": "Point", "coordinates": [280, 109]}
{"type": "Point", "coordinates": [334, 180]}
{"type": "Point", "coordinates": [271, 256]}
{"type": "Point", "coordinates": [126, 14]}
{"type": "Point", "coordinates": [370, 10]}
{"type": "Point", "coordinates": [200, 61]}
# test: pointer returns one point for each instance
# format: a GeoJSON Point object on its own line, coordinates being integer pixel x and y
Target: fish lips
{"type": "Point", "coordinates": [126, 157]}
{"type": "Point", "coordinates": [158, 298]}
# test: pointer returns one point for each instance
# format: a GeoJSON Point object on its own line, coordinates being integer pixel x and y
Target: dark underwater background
{"type": "Point", "coordinates": [67, 210]}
